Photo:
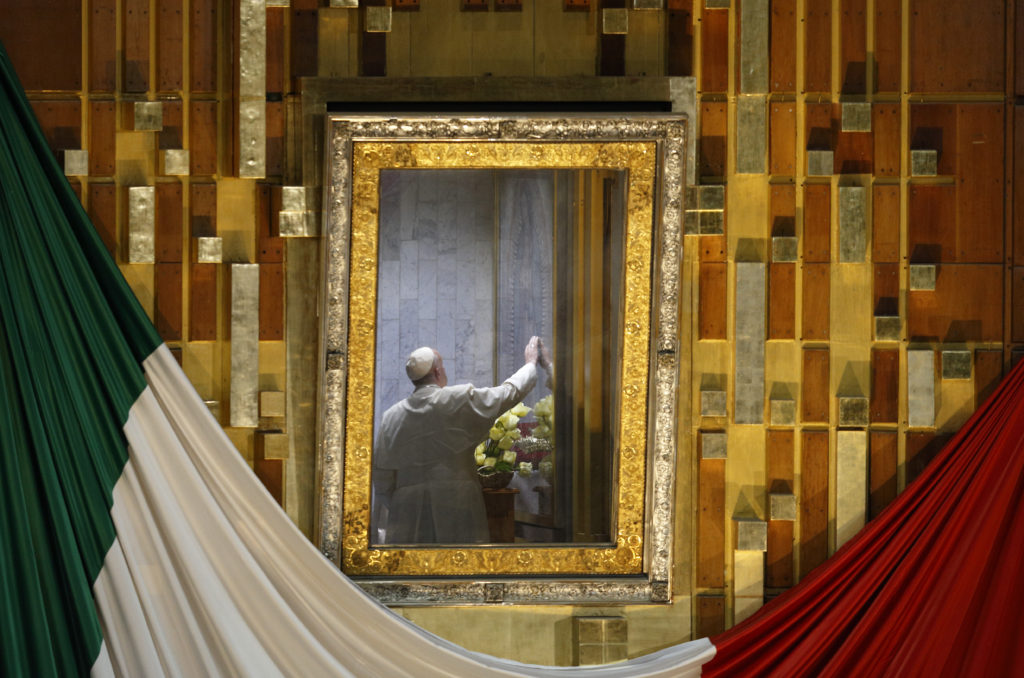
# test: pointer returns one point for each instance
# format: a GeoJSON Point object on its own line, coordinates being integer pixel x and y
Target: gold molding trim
{"type": "Point", "coordinates": [652, 150]}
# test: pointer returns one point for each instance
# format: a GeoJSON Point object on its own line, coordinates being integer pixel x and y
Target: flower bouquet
{"type": "Point", "coordinates": [495, 458]}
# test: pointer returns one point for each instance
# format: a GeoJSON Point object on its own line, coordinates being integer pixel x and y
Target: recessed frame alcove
{"type": "Point", "coordinates": [656, 149]}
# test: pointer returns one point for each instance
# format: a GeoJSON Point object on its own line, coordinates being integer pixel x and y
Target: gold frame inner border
{"type": "Point", "coordinates": [651, 150]}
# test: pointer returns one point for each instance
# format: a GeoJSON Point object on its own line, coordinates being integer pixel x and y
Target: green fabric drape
{"type": "Point", "coordinates": [73, 335]}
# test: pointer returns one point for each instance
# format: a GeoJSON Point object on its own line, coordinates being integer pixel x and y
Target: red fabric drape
{"type": "Point", "coordinates": [934, 586]}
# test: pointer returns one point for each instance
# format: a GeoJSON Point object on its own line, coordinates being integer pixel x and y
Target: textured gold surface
{"type": "Point", "coordinates": [626, 555]}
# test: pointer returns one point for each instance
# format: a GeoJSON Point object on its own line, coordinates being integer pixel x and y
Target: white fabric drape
{"type": "Point", "coordinates": [208, 576]}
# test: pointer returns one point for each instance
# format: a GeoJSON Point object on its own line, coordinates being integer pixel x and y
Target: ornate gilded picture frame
{"type": "Point", "coordinates": [635, 564]}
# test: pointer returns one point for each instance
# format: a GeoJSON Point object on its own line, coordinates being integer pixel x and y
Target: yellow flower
{"type": "Point", "coordinates": [490, 461]}
{"type": "Point", "coordinates": [525, 468]}
{"type": "Point", "coordinates": [509, 457]}
{"type": "Point", "coordinates": [514, 434]}
{"type": "Point", "coordinates": [508, 420]}
{"type": "Point", "coordinates": [479, 457]}
{"type": "Point", "coordinates": [505, 443]}
{"type": "Point", "coordinates": [496, 433]}
{"type": "Point", "coordinates": [520, 410]}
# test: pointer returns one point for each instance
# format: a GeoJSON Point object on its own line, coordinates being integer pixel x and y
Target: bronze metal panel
{"type": "Point", "coordinates": [1018, 183]}
{"type": "Point", "coordinates": [102, 45]}
{"type": "Point", "coordinates": [61, 122]}
{"type": "Point", "coordinates": [269, 246]}
{"type": "Point", "coordinates": [817, 247]}
{"type": "Point", "coordinates": [854, 151]}
{"type": "Point", "coordinates": [885, 126]}
{"type": "Point", "coordinates": [782, 208]}
{"type": "Point", "coordinates": [988, 371]}
{"type": "Point", "coordinates": [710, 616]}
{"type": "Point", "coordinates": [203, 45]}
{"type": "Point", "coordinates": [44, 42]}
{"type": "Point", "coordinates": [888, 33]}
{"type": "Point", "coordinates": [819, 127]}
{"type": "Point", "coordinates": [885, 231]}
{"type": "Point", "coordinates": [167, 301]}
{"type": "Point", "coordinates": [886, 289]}
{"type": "Point", "coordinates": [304, 45]}
{"type": "Point", "coordinates": [813, 500]}
{"type": "Point", "coordinates": [981, 148]}
{"type": "Point", "coordinates": [782, 74]}
{"type": "Point", "coordinates": [712, 248]}
{"type": "Point", "coordinates": [103, 213]}
{"type": "Point", "coordinates": [711, 524]}
{"type": "Point", "coordinates": [168, 46]}
{"type": "Point", "coordinates": [778, 570]}
{"type": "Point", "coordinates": [168, 224]}
{"type": "Point", "coordinates": [779, 463]}
{"type": "Point", "coordinates": [853, 46]}
{"type": "Point", "coordinates": [203, 210]}
{"type": "Point", "coordinates": [271, 302]}
{"type": "Point", "coordinates": [885, 385]}
{"type": "Point", "coordinates": [203, 137]}
{"type": "Point", "coordinates": [934, 127]}
{"type": "Point", "coordinates": [883, 459]}
{"type": "Point", "coordinates": [958, 49]}
{"type": "Point", "coordinates": [275, 49]}
{"type": "Point", "coordinates": [171, 134]}
{"type": "Point", "coordinates": [814, 392]}
{"type": "Point", "coordinates": [271, 474]}
{"type": "Point", "coordinates": [1017, 328]}
{"type": "Point", "coordinates": [815, 312]}
{"type": "Point", "coordinates": [136, 45]}
{"type": "Point", "coordinates": [202, 325]}
{"type": "Point", "coordinates": [818, 46]}
{"type": "Point", "coordinates": [714, 40]}
{"type": "Point", "coordinates": [921, 448]}
{"type": "Point", "coordinates": [680, 38]}
{"type": "Point", "coordinates": [967, 305]}
{"type": "Point", "coordinates": [782, 301]}
{"type": "Point", "coordinates": [713, 126]}
{"type": "Point", "coordinates": [101, 138]}
{"type": "Point", "coordinates": [712, 300]}
{"type": "Point", "coordinates": [782, 142]}
{"type": "Point", "coordinates": [275, 139]}
{"type": "Point", "coordinates": [931, 228]}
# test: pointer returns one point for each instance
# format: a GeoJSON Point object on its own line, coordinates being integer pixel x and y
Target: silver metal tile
{"type": "Point", "coordinates": [252, 139]}
{"type": "Point", "coordinates": [956, 364]}
{"type": "Point", "coordinates": [714, 444]}
{"type": "Point", "coordinates": [748, 406]}
{"type": "Point", "coordinates": [711, 196]}
{"type": "Point", "coordinates": [751, 535]}
{"type": "Point", "coordinates": [853, 226]}
{"type": "Point", "coordinates": [851, 483]}
{"type": "Point", "coordinates": [148, 116]}
{"type": "Point", "coordinates": [782, 506]}
{"type": "Point", "coordinates": [856, 116]}
{"type": "Point", "coordinates": [378, 19]}
{"type": "Point", "coordinates": [711, 223]}
{"type": "Point", "coordinates": [922, 277]}
{"type": "Point", "coordinates": [887, 328]}
{"type": "Point", "coordinates": [751, 134]}
{"type": "Point", "coordinates": [76, 163]}
{"type": "Point", "coordinates": [819, 163]}
{"type": "Point", "coordinates": [141, 221]}
{"type": "Point", "coordinates": [712, 404]}
{"type": "Point", "coordinates": [921, 387]}
{"type": "Point", "coordinates": [754, 47]}
{"type": "Point", "coordinates": [209, 250]}
{"type": "Point", "coordinates": [298, 224]}
{"type": "Point", "coordinates": [614, 21]}
{"type": "Point", "coordinates": [782, 412]}
{"type": "Point", "coordinates": [272, 403]}
{"type": "Point", "coordinates": [716, 4]}
{"type": "Point", "coordinates": [245, 316]}
{"type": "Point", "coordinates": [648, 4]}
{"type": "Point", "coordinates": [924, 162]}
{"type": "Point", "coordinates": [785, 248]}
{"type": "Point", "coordinates": [853, 411]}
{"type": "Point", "coordinates": [175, 162]}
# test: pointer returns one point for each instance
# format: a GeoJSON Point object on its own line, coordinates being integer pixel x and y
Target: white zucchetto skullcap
{"type": "Point", "coordinates": [419, 363]}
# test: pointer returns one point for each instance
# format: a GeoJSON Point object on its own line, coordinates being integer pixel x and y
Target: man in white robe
{"type": "Point", "coordinates": [424, 479]}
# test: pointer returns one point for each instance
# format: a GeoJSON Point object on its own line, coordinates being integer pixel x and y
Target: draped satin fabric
{"type": "Point", "coordinates": [931, 587]}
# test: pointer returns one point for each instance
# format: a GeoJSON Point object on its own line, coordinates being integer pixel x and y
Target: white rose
{"type": "Point", "coordinates": [509, 456]}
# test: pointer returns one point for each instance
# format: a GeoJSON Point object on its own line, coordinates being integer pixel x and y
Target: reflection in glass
{"type": "Point", "coordinates": [473, 263]}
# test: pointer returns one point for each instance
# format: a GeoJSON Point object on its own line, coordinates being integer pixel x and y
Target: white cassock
{"type": "Point", "coordinates": [425, 489]}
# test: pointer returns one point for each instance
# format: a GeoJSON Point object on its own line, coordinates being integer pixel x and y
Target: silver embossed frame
{"type": "Point", "coordinates": [667, 135]}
